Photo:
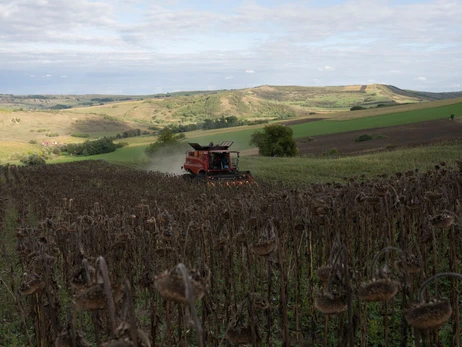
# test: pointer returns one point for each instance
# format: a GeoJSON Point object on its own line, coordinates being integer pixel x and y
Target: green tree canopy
{"type": "Point", "coordinates": [33, 159]}
{"type": "Point", "coordinates": [275, 141]}
{"type": "Point", "coordinates": [167, 138]}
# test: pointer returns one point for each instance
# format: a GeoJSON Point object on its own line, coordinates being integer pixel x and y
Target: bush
{"type": "Point", "coordinates": [33, 142]}
{"type": "Point", "coordinates": [357, 107]}
{"type": "Point", "coordinates": [452, 116]}
{"type": "Point", "coordinates": [60, 107]}
{"type": "Point", "coordinates": [129, 133]}
{"type": "Point", "coordinates": [82, 135]}
{"type": "Point", "coordinates": [331, 152]}
{"type": "Point", "coordinates": [100, 146]}
{"type": "Point", "coordinates": [364, 137]}
{"type": "Point", "coordinates": [33, 159]}
{"type": "Point", "coordinates": [122, 144]}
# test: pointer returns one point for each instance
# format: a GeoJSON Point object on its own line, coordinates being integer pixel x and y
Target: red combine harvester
{"type": "Point", "coordinates": [215, 163]}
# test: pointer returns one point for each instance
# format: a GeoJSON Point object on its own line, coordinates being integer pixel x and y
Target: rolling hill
{"type": "Point", "coordinates": [27, 121]}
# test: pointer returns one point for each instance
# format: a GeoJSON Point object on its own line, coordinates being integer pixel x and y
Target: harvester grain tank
{"type": "Point", "coordinates": [215, 163]}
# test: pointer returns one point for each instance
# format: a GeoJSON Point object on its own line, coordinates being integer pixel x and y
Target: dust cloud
{"type": "Point", "coordinates": [169, 160]}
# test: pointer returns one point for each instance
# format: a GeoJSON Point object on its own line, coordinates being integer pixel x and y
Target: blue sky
{"type": "Point", "coordinates": [147, 47]}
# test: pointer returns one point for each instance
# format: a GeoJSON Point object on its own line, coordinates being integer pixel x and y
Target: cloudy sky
{"type": "Point", "coordinates": [158, 46]}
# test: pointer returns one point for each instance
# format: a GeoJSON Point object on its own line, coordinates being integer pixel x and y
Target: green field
{"type": "Point", "coordinates": [241, 137]}
{"type": "Point", "coordinates": [324, 127]}
{"type": "Point", "coordinates": [132, 156]}
{"type": "Point", "coordinates": [312, 170]}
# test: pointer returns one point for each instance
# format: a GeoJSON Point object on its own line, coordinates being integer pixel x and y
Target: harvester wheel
{"type": "Point", "coordinates": [187, 177]}
{"type": "Point", "coordinates": [201, 176]}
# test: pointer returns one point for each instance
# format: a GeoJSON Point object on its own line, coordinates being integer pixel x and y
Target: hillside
{"type": "Point", "coordinates": [22, 129]}
{"type": "Point", "coordinates": [246, 102]}
{"type": "Point", "coordinates": [97, 114]}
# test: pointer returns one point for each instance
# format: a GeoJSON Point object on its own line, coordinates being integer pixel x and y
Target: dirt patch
{"type": "Point", "coordinates": [409, 135]}
{"type": "Point", "coordinates": [225, 105]}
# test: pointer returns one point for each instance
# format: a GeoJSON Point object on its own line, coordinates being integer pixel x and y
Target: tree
{"type": "Point", "coordinates": [33, 159]}
{"type": "Point", "coordinates": [167, 138]}
{"type": "Point", "coordinates": [275, 141]}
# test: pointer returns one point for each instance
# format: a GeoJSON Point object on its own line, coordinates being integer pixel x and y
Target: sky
{"type": "Point", "coordinates": [139, 47]}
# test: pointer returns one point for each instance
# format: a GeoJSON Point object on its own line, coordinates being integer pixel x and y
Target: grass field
{"type": "Point", "coordinates": [132, 156]}
{"type": "Point", "coordinates": [324, 127]}
{"type": "Point", "coordinates": [312, 170]}
{"type": "Point", "coordinates": [241, 137]}
{"type": "Point", "coordinates": [378, 111]}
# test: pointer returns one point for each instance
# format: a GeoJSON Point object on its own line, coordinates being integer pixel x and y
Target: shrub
{"type": "Point", "coordinates": [357, 107]}
{"type": "Point", "coordinates": [307, 139]}
{"type": "Point", "coordinates": [60, 107]}
{"type": "Point", "coordinates": [122, 144]}
{"type": "Point", "coordinates": [104, 145]}
{"type": "Point", "coordinates": [331, 152]}
{"type": "Point", "coordinates": [33, 142]}
{"type": "Point", "coordinates": [390, 146]}
{"type": "Point", "coordinates": [364, 137]}
{"type": "Point", "coordinates": [33, 159]}
{"type": "Point", "coordinates": [452, 116]}
{"type": "Point", "coordinates": [83, 135]}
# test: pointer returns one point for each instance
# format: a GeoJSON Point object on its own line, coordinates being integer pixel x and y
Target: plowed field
{"type": "Point", "coordinates": [409, 135]}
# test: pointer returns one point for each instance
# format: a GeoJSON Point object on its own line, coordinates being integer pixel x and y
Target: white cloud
{"type": "Point", "coordinates": [229, 77]}
{"type": "Point", "coordinates": [421, 78]}
{"type": "Point", "coordinates": [326, 68]}
{"type": "Point", "coordinates": [63, 76]}
{"type": "Point", "coordinates": [288, 42]}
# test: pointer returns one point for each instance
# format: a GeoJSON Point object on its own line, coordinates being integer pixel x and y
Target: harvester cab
{"type": "Point", "coordinates": [214, 163]}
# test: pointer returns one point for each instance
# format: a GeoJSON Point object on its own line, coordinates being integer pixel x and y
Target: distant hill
{"type": "Point", "coordinates": [245, 102]}
{"type": "Point", "coordinates": [38, 118]}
